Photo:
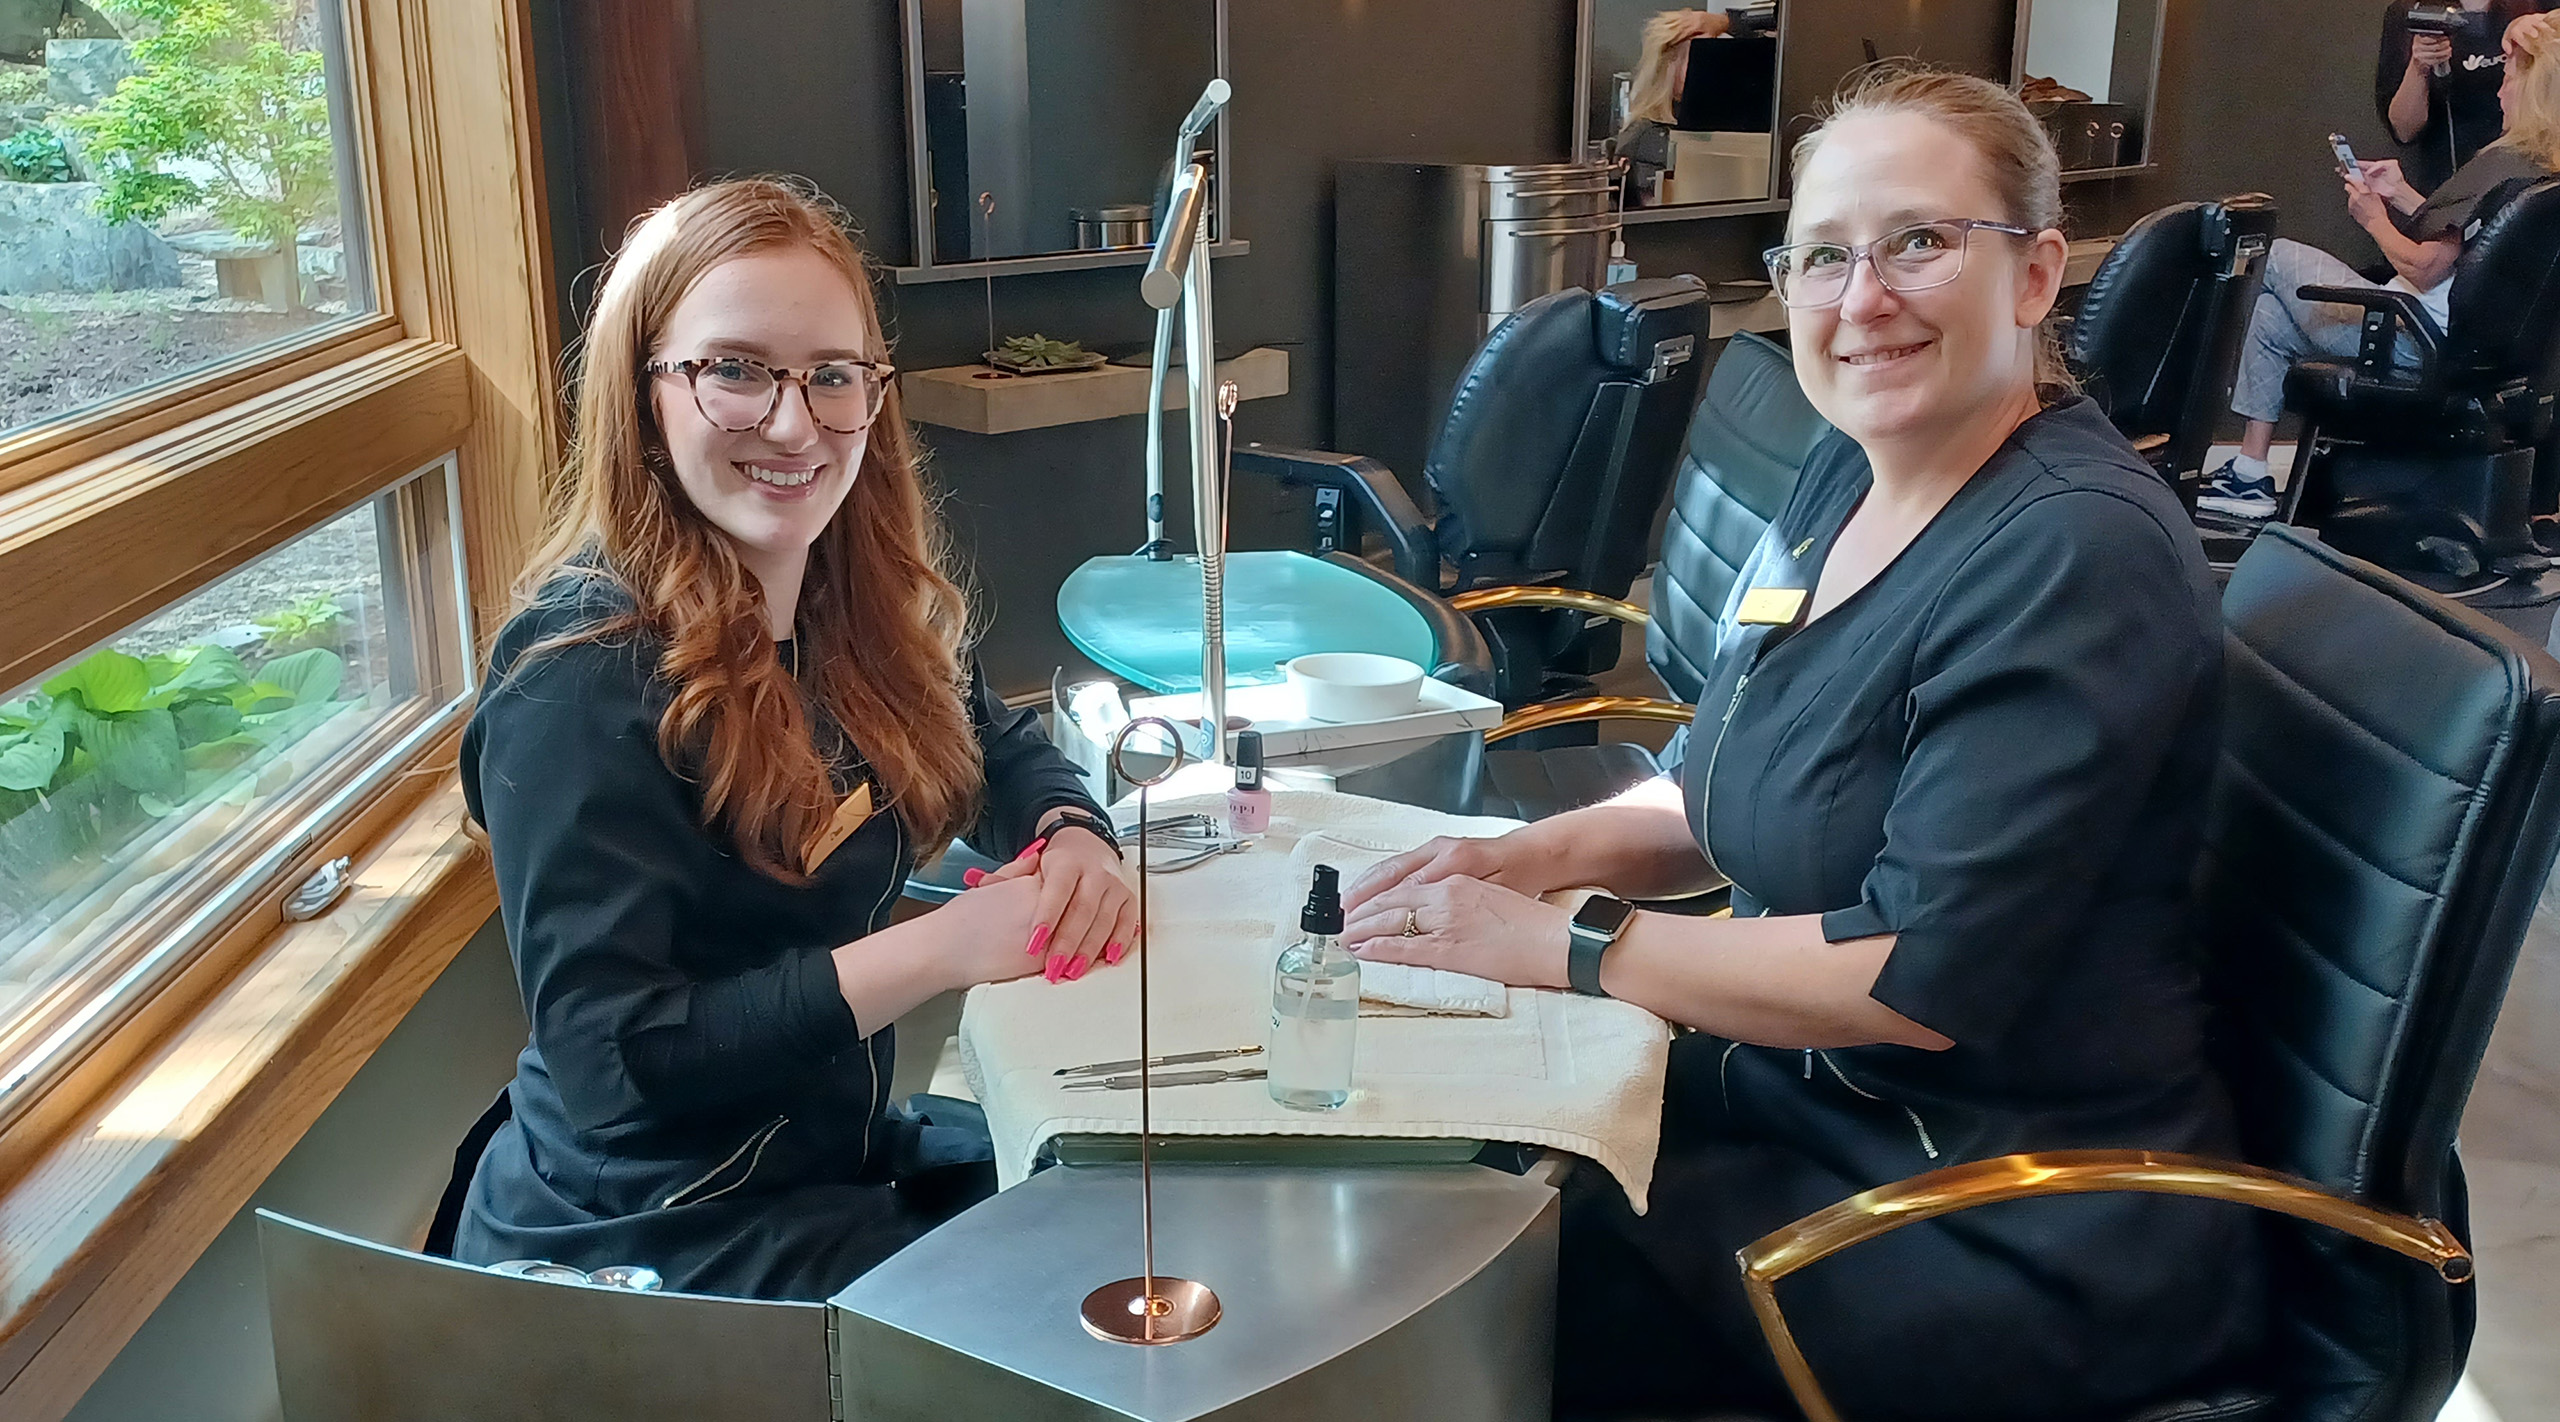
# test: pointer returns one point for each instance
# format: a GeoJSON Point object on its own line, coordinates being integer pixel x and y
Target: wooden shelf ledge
{"type": "Point", "coordinates": [956, 397]}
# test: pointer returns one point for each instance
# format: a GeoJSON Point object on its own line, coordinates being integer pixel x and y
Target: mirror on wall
{"type": "Point", "coordinates": [1044, 127]}
{"type": "Point", "coordinates": [2088, 68]}
{"type": "Point", "coordinates": [1688, 97]}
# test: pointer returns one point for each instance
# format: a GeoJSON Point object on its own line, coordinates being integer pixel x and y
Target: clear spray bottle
{"type": "Point", "coordinates": [1315, 1006]}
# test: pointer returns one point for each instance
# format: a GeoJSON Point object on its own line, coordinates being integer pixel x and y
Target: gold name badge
{"type": "Point", "coordinates": [1770, 607]}
{"type": "Point", "coordinates": [849, 817]}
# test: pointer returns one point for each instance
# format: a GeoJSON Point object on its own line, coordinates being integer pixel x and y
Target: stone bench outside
{"type": "Point", "coordinates": [245, 269]}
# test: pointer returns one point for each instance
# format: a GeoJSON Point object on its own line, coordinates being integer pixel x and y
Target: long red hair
{"type": "Point", "coordinates": [882, 628]}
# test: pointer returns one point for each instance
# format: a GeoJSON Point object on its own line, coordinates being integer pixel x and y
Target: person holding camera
{"type": "Point", "coordinates": [2435, 81]}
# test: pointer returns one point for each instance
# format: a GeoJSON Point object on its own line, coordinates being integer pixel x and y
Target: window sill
{"type": "Point", "coordinates": [117, 1208]}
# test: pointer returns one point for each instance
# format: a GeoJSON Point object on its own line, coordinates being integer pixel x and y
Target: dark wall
{"type": "Point", "coordinates": [813, 86]}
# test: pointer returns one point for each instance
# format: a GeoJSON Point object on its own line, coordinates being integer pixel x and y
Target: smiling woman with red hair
{"type": "Point", "coordinates": [734, 709]}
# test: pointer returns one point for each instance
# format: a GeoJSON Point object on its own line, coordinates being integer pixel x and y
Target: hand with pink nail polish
{"type": "Point", "coordinates": [1087, 903]}
{"type": "Point", "coordinates": [981, 932]}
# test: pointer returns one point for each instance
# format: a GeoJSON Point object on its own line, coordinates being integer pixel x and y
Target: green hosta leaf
{"type": "Point", "coordinates": [201, 722]}
{"type": "Point", "coordinates": [308, 677]}
{"type": "Point", "coordinates": [29, 758]}
{"type": "Point", "coordinates": [138, 750]}
{"type": "Point", "coordinates": [158, 808]}
{"type": "Point", "coordinates": [215, 671]}
{"type": "Point", "coordinates": [108, 682]}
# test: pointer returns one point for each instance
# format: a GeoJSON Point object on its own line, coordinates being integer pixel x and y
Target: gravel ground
{"type": "Point", "coordinates": [63, 350]}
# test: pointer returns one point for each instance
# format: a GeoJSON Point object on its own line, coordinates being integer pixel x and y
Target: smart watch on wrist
{"type": "Point", "coordinates": [1596, 925]}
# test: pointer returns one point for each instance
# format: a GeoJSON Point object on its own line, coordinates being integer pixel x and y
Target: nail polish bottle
{"type": "Point", "coordinates": [1248, 804]}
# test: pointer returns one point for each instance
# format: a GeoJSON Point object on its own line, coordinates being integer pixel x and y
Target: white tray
{"type": "Point", "coordinates": [1277, 712]}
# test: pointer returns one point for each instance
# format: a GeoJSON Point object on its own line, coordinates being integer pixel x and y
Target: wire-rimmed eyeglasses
{"type": "Point", "coordinates": [738, 394]}
{"type": "Point", "coordinates": [1907, 259]}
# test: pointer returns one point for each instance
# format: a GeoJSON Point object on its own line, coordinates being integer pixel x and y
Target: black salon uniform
{"type": "Point", "coordinates": [1997, 750]}
{"type": "Point", "coordinates": [697, 1096]}
{"type": "Point", "coordinates": [2462, 106]}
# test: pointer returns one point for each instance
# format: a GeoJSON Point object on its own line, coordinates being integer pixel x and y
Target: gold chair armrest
{"type": "Point", "coordinates": [1591, 708]}
{"type": "Point", "coordinates": [1886, 1208]}
{"type": "Point", "coordinates": [1574, 599]}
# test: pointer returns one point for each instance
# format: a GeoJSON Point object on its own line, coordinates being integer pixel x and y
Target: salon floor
{"type": "Point", "coordinates": [2510, 1154]}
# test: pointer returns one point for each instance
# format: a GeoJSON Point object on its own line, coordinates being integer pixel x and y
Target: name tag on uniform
{"type": "Point", "coordinates": [1770, 607]}
{"type": "Point", "coordinates": [849, 817]}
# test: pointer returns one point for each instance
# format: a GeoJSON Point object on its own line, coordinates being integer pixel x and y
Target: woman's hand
{"type": "Point", "coordinates": [2428, 51]}
{"type": "Point", "coordinates": [1087, 908]}
{"type": "Point", "coordinates": [1506, 860]}
{"type": "Point", "coordinates": [1464, 925]}
{"type": "Point", "coordinates": [978, 936]}
{"type": "Point", "coordinates": [2367, 207]}
{"type": "Point", "coordinates": [2383, 175]}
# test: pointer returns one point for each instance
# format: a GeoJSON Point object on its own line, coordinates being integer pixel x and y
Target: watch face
{"type": "Point", "coordinates": [1603, 914]}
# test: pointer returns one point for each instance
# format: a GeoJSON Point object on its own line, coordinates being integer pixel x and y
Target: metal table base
{"type": "Point", "coordinates": [1418, 1292]}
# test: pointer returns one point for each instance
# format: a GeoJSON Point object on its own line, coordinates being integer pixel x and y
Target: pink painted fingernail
{"type": "Point", "coordinates": [1114, 953]}
{"type": "Point", "coordinates": [1032, 848]}
{"type": "Point", "coordinates": [1057, 966]}
{"type": "Point", "coordinates": [1039, 938]}
{"type": "Point", "coordinates": [1077, 969]}
{"type": "Point", "coordinates": [974, 877]}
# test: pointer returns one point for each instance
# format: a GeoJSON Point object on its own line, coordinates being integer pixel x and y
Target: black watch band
{"type": "Point", "coordinates": [1085, 819]}
{"type": "Point", "coordinates": [1596, 925]}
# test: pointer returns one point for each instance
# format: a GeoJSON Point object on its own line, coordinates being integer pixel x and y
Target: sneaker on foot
{"type": "Point", "coordinates": [2234, 495]}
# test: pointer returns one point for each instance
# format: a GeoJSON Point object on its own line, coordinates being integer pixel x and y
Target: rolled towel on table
{"type": "Point", "coordinates": [1395, 985]}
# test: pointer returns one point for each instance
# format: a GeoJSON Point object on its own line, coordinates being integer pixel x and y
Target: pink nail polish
{"type": "Point", "coordinates": [1077, 969]}
{"type": "Point", "coordinates": [1039, 938]}
{"type": "Point", "coordinates": [974, 877]}
{"type": "Point", "coordinates": [1113, 954]}
{"type": "Point", "coordinates": [1249, 803]}
{"type": "Point", "coordinates": [1034, 847]}
{"type": "Point", "coordinates": [1057, 966]}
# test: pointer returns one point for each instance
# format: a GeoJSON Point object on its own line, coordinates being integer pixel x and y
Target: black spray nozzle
{"type": "Point", "coordinates": [1324, 903]}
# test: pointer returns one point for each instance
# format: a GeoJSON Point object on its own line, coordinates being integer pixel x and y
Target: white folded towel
{"type": "Point", "coordinates": [1398, 985]}
{"type": "Point", "coordinates": [1579, 1074]}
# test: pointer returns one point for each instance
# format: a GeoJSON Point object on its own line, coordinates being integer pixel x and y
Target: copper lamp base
{"type": "Point", "coordinates": [1122, 1311]}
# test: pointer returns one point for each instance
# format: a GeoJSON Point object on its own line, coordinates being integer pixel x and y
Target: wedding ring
{"type": "Point", "coordinates": [1412, 925]}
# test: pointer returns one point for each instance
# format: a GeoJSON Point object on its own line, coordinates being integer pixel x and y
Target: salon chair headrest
{"type": "Point", "coordinates": [1628, 320]}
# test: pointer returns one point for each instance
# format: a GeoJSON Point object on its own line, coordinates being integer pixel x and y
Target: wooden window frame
{"type": "Point", "coordinates": [118, 510]}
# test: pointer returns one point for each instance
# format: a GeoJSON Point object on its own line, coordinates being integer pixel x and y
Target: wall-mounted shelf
{"type": "Point", "coordinates": [1700, 211]}
{"type": "Point", "coordinates": [2078, 175]}
{"type": "Point", "coordinates": [959, 397]}
{"type": "Point", "coordinates": [1053, 262]}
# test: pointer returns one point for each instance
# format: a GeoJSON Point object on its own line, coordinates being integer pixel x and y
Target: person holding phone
{"type": "Point", "coordinates": [2422, 236]}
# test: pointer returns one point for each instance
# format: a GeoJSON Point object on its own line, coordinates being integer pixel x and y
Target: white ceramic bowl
{"type": "Point", "coordinates": [1355, 686]}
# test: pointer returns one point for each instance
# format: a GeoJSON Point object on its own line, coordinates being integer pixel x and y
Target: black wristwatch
{"type": "Point", "coordinates": [1086, 820]}
{"type": "Point", "coordinates": [1596, 925]}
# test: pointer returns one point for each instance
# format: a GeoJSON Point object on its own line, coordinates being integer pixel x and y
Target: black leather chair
{"type": "Point", "coordinates": [2387, 810]}
{"type": "Point", "coordinates": [1746, 443]}
{"type": "Point", "coordinates": [1548, 469]}
{"type": "Point", "coordinates": [2434, 470]}
{"type": "Point", "coordinates": [2157, 339]}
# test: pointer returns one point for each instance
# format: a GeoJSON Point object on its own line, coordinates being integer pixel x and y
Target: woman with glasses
{"type": "Point", "coordinates": [735, 706]}
{"type": "Point", "coordinates": [1952, 756]}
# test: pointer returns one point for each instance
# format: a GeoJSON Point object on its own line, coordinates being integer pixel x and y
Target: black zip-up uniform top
{"type": "Point", "coordinates": [1999, 751]}
{"type": "Point", "coordinates": [689, 1042]}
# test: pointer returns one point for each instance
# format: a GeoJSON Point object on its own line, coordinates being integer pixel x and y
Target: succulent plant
{"type": "Point", "coordinates": [1036, 351]}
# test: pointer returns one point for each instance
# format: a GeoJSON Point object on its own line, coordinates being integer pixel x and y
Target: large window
{"type": "Point", "coordinates": [177, 192]}
{"type": "Point", "coordinates": [159, 780]}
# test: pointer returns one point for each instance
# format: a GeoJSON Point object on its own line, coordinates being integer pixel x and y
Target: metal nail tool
{"type": "Point", "coordinates": [1133, 1081]}
{"type": "Point", "coordinates": [1176, 1059]}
